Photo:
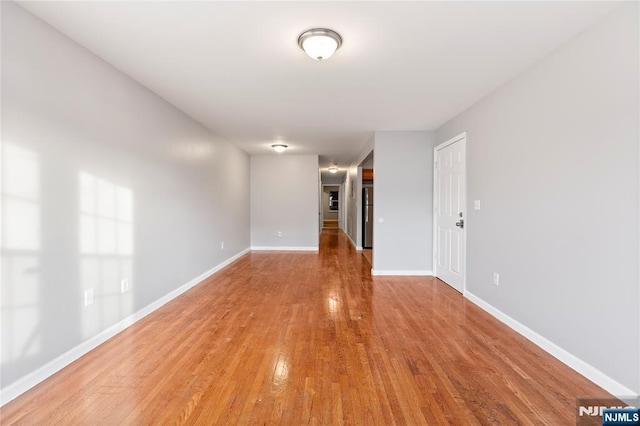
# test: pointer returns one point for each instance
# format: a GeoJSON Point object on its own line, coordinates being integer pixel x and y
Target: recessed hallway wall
{"type": "Point", "coordinates": [284, 201]}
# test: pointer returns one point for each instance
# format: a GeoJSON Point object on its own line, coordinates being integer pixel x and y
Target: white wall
{"type": "Point", "coordinates": [332, 180]}
{"type": "Point", "coordinates": [403, 189]}
{"type": "Point", "coordinates": [284, 198]}
{"type": "Point", "coordinates": [353, 195]}
{"type": "Point", "coordinates": [101, 180]}
{"type": "Point", "coordinates": [368, 164]}
{"type": "Point", "coordinates": [553, 158]}
{"type": "Point", "coordinates": [351, 205]}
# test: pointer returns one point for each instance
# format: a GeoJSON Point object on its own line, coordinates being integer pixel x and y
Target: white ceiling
{"type": "Point", "coordinates": [236, 66]}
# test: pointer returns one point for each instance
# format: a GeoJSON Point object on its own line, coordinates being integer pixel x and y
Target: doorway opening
{"type": "Point", "coordinates": [331, 206]}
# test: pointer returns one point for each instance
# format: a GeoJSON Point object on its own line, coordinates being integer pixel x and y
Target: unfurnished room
{"type": "Point", "coordinates": [308, 212]}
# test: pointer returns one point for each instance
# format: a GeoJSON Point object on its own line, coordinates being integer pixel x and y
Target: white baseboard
{"type": "Point", "coordinates": [357, 247]}
{"type": "Point", "coordinates": [418, 273]}
{"type": "Point", "coordinates": [25, 383]}
{"type": "Point", "coordinates": [277, 248]}
{"type": "Point", "coordinates": [587, 370]}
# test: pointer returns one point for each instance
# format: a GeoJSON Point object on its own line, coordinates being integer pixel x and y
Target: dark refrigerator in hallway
{"type": "Point", "coordinates": [367, 217]}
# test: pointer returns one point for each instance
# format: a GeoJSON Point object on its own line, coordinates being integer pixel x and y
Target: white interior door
{"type": "Point", "coordinates": [450, 212]}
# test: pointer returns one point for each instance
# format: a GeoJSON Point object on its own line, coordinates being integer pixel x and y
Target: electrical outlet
{"type": "Point", "coordinates": [88, 297]}
{"type": "Point", "coordinates": [124, 285]}
{"type": "Point", "coordinates": [496, 278]}
{"type": "Point", "coordinates": [279, 234]}
{"type": "Point", "coordinates": [221, 245]}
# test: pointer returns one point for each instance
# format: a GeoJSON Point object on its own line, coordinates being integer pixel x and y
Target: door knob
{"type": "Point", "coordinates": [460, 224]}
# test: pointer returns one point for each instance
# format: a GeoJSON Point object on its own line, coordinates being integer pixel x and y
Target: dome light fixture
{"type": "Point", "coordinates": [319, 43]}
{"type": "Point", "coordinates": [333, 169]}
{"type": "Point", "coordinates": [279, 147]}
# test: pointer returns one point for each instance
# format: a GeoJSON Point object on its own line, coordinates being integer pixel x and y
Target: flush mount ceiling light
{"type": "Point", "coordinates": [319, 43]}
{"type": "Point", "coordinates": [279, 147]}
{"type": "Point", "coordinates": [333, 169]}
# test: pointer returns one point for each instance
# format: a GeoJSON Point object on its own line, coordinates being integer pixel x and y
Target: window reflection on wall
{"type": "Point", "coordinates": [106, 251]}
{"type": "Point", "coordinates": [20, 292]}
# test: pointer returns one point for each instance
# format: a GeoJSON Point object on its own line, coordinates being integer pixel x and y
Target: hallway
{"type": "Point", "coordinates": [297, 338]}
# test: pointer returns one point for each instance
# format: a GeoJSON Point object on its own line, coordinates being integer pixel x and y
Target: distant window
{"type": "Point", "coordinates": [333, 200]}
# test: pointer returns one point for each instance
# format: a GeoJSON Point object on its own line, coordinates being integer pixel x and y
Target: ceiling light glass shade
{"type": "Point", "coordinates": [279, 147]}
{"type": "Point", "coordinates": [319, 43]}
{"type": "Point", "coordinates": [333, 169]}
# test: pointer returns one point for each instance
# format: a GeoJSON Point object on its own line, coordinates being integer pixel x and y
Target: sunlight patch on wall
{"type": "Point", "coordinates": [21, 245]}
{"type": "Point", "coordinates": [106, 251]}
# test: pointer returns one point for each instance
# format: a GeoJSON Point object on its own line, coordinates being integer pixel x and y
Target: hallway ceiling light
{"type": "Point", "coordinates": [333, 169]}
{"type": "Point", "coordinates": [279, 147]}
{"type": "Point", "coordinates": [319, 43]}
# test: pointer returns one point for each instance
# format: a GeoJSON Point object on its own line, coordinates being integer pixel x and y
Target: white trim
{"type": "Point", "coordinates": [434, 222]}
{"type": "Point", "coordinates": [278, 248]}
{"type": "Point", "coordinates": [460, 137]}
{"type": "Point", "coordinates": [421, 273]}
{"type": "Point", "coordinates": [587, 370]}
{"type": "Point", "coordinates": [451, 141]}
{"type": "Point", "coordinates": [359, 230]}
{"type": "Point", "coordinates": [357, 247]}
{"type": "Point", "coordinates": [25, 383]}
{"type": "Point", "coordinates": [342, 207]}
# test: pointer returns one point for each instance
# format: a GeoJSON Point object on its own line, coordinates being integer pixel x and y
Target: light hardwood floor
{"type": "Point", "coordinates": [330, 224]}
{"type": "Point", "coordinates": [368, 254]}
{"type": "Point", "coordinates": [307, 338]}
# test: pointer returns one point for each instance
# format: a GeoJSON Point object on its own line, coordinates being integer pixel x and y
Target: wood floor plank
{"type": "Point", "coordinates": [310, 338]}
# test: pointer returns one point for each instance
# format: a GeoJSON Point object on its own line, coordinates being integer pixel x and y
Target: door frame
{"type": "Point", "coordinates": [340, 208]}
{"type": "Point", "coordinates": [462, 137]}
